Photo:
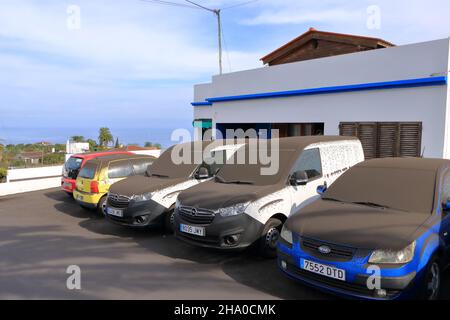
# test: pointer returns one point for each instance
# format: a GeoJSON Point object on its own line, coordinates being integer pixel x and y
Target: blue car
{"type": "Point", "coordinates": [380, 231]}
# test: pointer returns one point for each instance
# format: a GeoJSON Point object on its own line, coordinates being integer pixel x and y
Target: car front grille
{"type": "Point", "coordinates": [196, 215]}
{"type": "Point", "coordinates": [118, 201]}
{"type": "Point", "coordinates": [337, 252]}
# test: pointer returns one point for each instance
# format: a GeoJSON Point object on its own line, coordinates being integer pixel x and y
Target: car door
{"type": "Point", "coordinates": [445, 223]}
{"type": "Point", "coordinates": [309, 161]}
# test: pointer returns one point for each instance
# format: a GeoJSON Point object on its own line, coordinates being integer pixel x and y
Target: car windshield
{"type": "Point", "coordinates": [88, 170]}
{"type": "Point", "coordinates": [396, 188]}
{"type": "Point", "coordinates": [73, 163]}
{"type": "Point", "coordinates": [164, 167]}
{"type": "Point", "coordinates": [252, 173]}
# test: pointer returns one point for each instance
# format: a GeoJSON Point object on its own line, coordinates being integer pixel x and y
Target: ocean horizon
{"type": "Point", "coordinates": [16, 135]}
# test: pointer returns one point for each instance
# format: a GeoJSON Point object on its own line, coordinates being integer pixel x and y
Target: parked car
{"type": "Point", "coordinates": [241, 206]}
{"type": "Point", "coordinates": [140, 202]}
{"type": "Point", "coordinates": [387, 218]}
{"type": "Point", "coordinates": [74, 164]}
{"type": "Point", "coordinates": [97, 176]}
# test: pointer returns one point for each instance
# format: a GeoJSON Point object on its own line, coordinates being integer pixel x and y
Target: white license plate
{"type": "Point", "coordinates": [198, 231]}
{"type": "Point", "coordinates": [114, 212]}
{"type": "Point", "coordinates": [79, 197]}
{"type": "Point", "coordinates": [323, 269]}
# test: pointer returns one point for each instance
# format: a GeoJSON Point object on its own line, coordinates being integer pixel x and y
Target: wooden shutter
{"type": "Point", "coordinates": [386, 139]}
{"type": "Point", "coordinates": [410, 139]}
{"type": "Point", "coordinates": [367, 134]}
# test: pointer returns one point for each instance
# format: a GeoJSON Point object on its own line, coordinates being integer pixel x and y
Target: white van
{"type": "Point", "coordinates": [142, 201]}
{"type": "Point", "coordinates": [240, 206]}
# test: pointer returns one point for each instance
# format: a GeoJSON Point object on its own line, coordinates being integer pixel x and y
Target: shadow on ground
{"type": "Point", "coordinates": [243, 267]}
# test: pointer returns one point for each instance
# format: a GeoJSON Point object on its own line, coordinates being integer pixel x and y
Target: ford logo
{"type": "Point", "coordinates": [324, 249]}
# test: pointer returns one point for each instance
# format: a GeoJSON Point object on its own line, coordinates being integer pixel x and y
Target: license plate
{"type": "Point", "coordinates": [114, 212]}
{"type": "Point", "coordinates": [79, 197]}
{"type": "Point", "coordinates": [198, 231]}
{"type": "Point", "coordinates": [322, 269]}
{"type": "Point", "coordinates": [68, 185]}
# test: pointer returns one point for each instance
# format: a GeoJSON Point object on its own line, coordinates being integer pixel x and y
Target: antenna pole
{"type": "Point", "coordinates": [219, 29]}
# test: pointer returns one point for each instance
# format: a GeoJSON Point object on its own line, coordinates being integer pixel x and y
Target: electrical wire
{"type": "Point", "coordinates": [169, 3]}
{"type": "Point", "coordinates": [239, 4]}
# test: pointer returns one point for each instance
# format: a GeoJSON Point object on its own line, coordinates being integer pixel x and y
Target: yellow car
{"type": "Point", "coordinates": [98, 174]}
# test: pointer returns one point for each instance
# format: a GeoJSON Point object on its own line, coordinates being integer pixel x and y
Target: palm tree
{"type": "Point", "coordinates": [104, 137]}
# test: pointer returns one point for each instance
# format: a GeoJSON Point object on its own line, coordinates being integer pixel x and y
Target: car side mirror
{"type": "Point", "coordinates": [202, 173]}
{"type": "Point", "coordinates": [299, 178]}
{"type": "Point", "coordinates": [321, 189]}
{"type": "Point", "coordinates": [446, 205]}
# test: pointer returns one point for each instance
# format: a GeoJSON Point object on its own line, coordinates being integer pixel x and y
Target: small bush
{"type": "Point", "coordinates": [3, 173]}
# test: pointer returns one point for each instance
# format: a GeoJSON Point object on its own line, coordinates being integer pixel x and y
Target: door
{"type": "Point", "coordinates": [309, 161]}
{"type": "Point", "coordinates": [445, 223]}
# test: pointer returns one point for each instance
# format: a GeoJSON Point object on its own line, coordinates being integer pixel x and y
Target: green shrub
{"type": "Point", "coordinates": [3, 173]}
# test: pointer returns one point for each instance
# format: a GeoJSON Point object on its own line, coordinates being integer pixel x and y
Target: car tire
{"type": "Point", "coordinates": [432, 280]}
{"type": "Point", "coordinates": [169, 218]}
{"type": "Point", "coordinates": [269, 238]}
{"type": "Point", "coordinates": [101, 205]}
{"type": "Point", "coordinates": [70, 194]}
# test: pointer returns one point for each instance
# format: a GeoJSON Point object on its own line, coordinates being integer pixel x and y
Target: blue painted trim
{"type": "Point", "coordinates": [409, 83]}
{"type": "Point", "coordinates": [201, 104]}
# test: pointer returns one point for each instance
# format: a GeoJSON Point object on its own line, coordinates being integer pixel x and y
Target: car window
{"type": "Point", "coordinates": [119, 169]}
{"type": "Point", "coordinates": [310, 162]}
{"type": "Point", "coordinates": [88, 170]}
{"type": "Point", "coordinates": [446, 186]}
{"type": "Point", "coordinates": [140, 165]}
{"type": "Point", "coordinates": [73, 163]}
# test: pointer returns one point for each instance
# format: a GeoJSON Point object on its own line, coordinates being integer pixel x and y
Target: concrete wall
{"type": "Point", "coordinates": [426, 104]}
{"type": "Point", "coordinates": [31, 179]}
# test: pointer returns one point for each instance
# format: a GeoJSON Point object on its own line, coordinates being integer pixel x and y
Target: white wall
{"type": "Point", "coordinates": [31, 173]}
{"type": "Point", "coordinates": [426, 104]}
{"type": "Point", "coordinates": [28, 185]}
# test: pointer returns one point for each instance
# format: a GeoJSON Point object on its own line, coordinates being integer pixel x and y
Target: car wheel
{"type": "Point", "coordinates": [169, 221]}
{"type": "Point", "coordinates": [432, 281]}
{"type": "Point", "coordinates": [101, 207]}
{"type": "Point", "coordinates": [269, 238]}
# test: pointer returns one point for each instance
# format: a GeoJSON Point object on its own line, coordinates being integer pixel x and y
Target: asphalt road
{"type": "Point", "coordinates": [43, 232]}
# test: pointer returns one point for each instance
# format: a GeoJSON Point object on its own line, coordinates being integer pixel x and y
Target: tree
{"type": "Point", "coordinates": [2, 148]}
{"type": "Point", "coordinates": [157, 146]}
{"type": "Point", "coordinates": [117, 143]}
{"type": "Point", "coordinates": [104, 137]}
{"type": "Point", "coordinates": [92, 144]}
{"type": "Point", "coordinates": [77, 138]}
{"type": "Point", "coordinates": [148, 144]}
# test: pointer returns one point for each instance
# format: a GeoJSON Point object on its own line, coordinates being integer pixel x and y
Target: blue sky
{"type": "Point", "coordinates": [132, 64]}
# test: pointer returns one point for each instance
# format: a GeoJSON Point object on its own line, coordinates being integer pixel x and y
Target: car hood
{"type": "Point", "coordinates": [358, 226]}
{"type": "Point", "coordinates": [214, 195]}
{"type": "Point", "coordinates": [142, 184]}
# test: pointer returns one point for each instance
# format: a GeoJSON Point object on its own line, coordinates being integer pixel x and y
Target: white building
{"type": "Point", "coordinates": [394, 98]}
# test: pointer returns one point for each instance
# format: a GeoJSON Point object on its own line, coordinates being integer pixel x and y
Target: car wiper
{"type": "Point", "coordinates": [239, 182]}
{"type": "Point", "coordinates": [331, 199]}
{"type": "Point", "coordinates": [159, 175]}
{"type": "Point", "coordinates": [371, 204]}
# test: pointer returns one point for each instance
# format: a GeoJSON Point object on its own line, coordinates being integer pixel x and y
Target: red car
{"type": "Point", "coordinates": [74, 164]}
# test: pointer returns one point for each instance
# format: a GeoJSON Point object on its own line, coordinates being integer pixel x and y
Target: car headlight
{"type": "Point", "coordinates": [286, 234]}
{"type": "Point", "coordinates": [396, 257]}
{"type": "Point", "coordinates": [142, 197]}
{"type": "Point", "coordinates": [233, 210]}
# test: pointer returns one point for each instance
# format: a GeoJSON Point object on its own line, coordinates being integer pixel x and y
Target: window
{"type": "Point", "coordinates": [386, 139]}
{"type": "Point", "coordinates": [120, 169]}
{"type": "Point", "coordinates": [140, 165]}
{"type": "Point", "coordinates": [310, 162]}
{"type": "Point", "coordinates": [88, 171]}
{"type": "Point", "coordinates": [445, 187]}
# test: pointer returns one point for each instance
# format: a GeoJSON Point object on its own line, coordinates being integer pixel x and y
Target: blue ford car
{"type": "Point", "coordinates": [379, 232]}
